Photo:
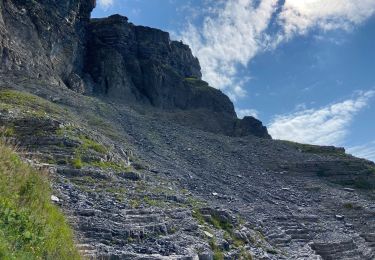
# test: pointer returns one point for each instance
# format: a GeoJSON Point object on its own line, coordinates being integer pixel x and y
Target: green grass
{"type": "Point", "coordinates": [221, 224]}
{"type": "Point", "coordinates": [28, 103]}
{"type": "Point", "coordinates": [218, 254]}
{"type": "Point", "coordinates": [198, 216]}
{"type": "Point", "coordinates": [31, 227]}
{"type": "Point", "coordinates": [117, 167]}
{"type": "Point", "coordinates": [7, 132]}
{"type": "Point", "coordinates": [198, 85]}
{"type": "Point", "coordinates": [191, 79]}
{"type": "Point", "coordinates": [89, 144]}
{"type": "Point", "coordinates": [77, 162]}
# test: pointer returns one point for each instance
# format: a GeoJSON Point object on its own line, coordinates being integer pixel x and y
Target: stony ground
{"type": "Point", "coordinates": [136, 185]}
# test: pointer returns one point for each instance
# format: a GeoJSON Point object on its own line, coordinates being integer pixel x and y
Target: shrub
{"type": "Point", "coordinates": [77, 162]}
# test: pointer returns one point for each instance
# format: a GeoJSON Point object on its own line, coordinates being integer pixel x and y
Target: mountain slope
{"type": "Point", "coordinates": [149, 162]}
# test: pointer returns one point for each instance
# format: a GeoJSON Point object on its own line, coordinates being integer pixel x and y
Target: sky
{"type": "Point", "coordinates": [305, 68]}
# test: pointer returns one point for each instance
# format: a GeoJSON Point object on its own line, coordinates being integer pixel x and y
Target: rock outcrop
{"type": "Point", "coordinates": [252, 125]}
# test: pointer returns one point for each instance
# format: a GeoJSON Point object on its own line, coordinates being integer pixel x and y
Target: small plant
{"type": "Point", "coordinates": [151, 202]}
{"type": "Point", "coordinates": [7, 132]}
{"type": "Point", "coordinates": [77, 162]}
{"type": "Point", "coordinates": [218, 254]}
{"type": "Point", "coordinates": [198, 216]}
{"type": "Point", "coordinates": [134, 203]}
{"type": "Point", "coordinates": [245, 255]}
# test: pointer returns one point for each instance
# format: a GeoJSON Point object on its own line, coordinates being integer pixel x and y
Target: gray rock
{"type": "Point", "coordinates": [134, 176]}
{"type": "Point", "coordinates": [206, 256]}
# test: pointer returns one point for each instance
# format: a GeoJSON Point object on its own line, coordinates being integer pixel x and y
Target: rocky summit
{"type": "Point", "coordinates": [147, 161]}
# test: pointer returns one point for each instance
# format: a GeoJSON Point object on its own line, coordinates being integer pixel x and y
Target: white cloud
{"type": "Point", "coordinates": [366, 151]}
{"type": "Point", "coordinates": [228, 38]}
{"type": "Point", "coordinates": [241, 113]}
{"type": "Point", "coordinates": [105, 4]}
{"type": "Point", "coordinates": [299, 16]}
{"type": "Point", "coordinates": [324, 126]}
{"type": "Point", "coordinates": [235, 31]}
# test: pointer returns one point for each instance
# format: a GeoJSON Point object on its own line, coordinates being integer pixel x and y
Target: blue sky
{"type": "Point", "coordinates": [306, 68]}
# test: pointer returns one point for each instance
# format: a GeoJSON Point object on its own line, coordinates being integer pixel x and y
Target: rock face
{"type": "Point", "coordinates": [44, 39]}
{"type": "Point", "coordinates": [57, 42]}
{"type": "Point", "coordinates": [136, 63]}
{"type": "Point", "coordinates": [129, 62]}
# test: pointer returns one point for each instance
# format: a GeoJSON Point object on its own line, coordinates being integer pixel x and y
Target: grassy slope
{"type": "Point", "coordinates": [30, 226]}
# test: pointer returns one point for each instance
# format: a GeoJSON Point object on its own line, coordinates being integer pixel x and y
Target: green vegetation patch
{"type": "Point", "coordinates": [28, 103]}
{"type": "Point", "coordinates": [7, 132]}
{"type": "Point", "coordinates": [221, 224]}
{"type": "Point", "coordinates": [89, 144]}
{"type": "Point", "coordinates": [117, 167]}
{"type": "Point", "coordinates": [31, 227]}
{"type": "Point", "coordinates": [198, 85]}
{"type": "Point", "coordinates": [218, 253]}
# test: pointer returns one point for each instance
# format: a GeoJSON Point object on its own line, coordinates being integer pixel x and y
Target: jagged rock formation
{"type": "Point", "coordinates": [152, 163]}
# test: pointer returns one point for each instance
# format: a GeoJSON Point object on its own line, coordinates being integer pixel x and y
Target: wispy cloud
{"type": "Point", "coordinates": [325, 126]}
{"type": "Point", "coordinates": [229, 37]}
{"type": "Point", "coordinates": [366, 151]}
{"type": "Point", "coordinates": [105, 4]}
{"type": "Point", "coordinates": [235, 31]}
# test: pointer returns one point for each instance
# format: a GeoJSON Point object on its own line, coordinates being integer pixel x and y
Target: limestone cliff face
{"type": "Point", "coordinates": [44, 39]}
{"type": "Point", "coordinates": [136, 62]}
{"type": "Point", "coordinates": [56, 41]}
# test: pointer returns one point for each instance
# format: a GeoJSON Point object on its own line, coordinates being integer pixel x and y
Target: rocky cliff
{"type": "Point", "coordinates": [110, 57]}
{"type": "Point", "coordinates": [44, 39]}
{"type": "Point", "coordinates": [149, 162]}
{"type": "Point", "coordinates": [136, 63]}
